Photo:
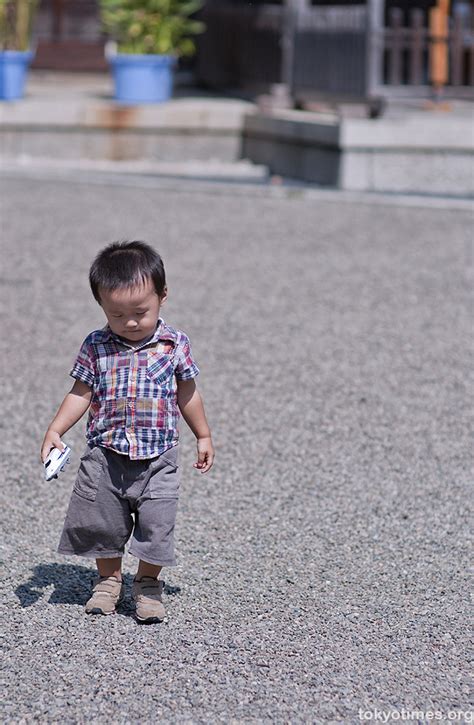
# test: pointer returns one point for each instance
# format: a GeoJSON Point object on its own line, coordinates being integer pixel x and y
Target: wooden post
{"type": "Point", "coordinates": [57, 20]}
{"type": "Point", "coordinates": [416, 47]}
{"type": "Point", "coordinates": [375, 45]}
{"type": "Point", "coordinates": [439, 46]}
{"type": "Point", "coordinates": [470, 68]}
{"type": "Point", "coordinates": [457, 51]}
{"type": "Point", "coordinates": [395, 48]}
{"type": "Point", "coordinates": [283, 92]}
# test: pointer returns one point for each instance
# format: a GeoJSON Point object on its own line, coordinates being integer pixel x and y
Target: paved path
{"type": "Point", "coordinates": [322, 561]}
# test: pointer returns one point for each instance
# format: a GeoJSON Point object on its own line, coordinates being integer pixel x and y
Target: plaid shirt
{"type": "Point", "coordinates": [134, 406]}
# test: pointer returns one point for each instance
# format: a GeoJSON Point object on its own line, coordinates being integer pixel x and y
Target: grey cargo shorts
{"type": "Point", "coordinates": [114, 498]}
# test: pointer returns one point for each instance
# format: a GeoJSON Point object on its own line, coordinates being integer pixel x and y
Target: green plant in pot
{"type": "Point", "coordinates": [16, 20]}
{"type": "Point", "coordinates": [150, 36]}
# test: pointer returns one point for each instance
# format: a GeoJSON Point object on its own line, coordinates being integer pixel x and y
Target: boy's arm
{"type": "Point", "coordinates": [70, 411]}
{"type": "Point", "coordinates": [192, 409]}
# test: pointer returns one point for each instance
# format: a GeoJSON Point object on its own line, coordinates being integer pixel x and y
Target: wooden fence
{"type": "Point", "coordinates": [334, 51]}
{"type": "Point", "coordinates": [330, 51]}
{"type": "Point", "coordinates": [68, 36]}
{"type": "Point", "coordinates": [407, 51]}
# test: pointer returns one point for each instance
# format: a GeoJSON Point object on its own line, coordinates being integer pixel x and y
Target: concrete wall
{"type": "Point", "coordinates": [89, 129]}
{"type": "Point", "coordinates": [420, 153]}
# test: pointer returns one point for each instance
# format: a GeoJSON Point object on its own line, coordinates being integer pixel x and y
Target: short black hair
{"type": "Point", "coordinates": [126, 264]}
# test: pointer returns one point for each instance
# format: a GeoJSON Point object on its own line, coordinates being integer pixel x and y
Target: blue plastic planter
{"type": "Point", "coordinates": [142, 78]}
{"type": "Point", "coordinates": [13, 67]}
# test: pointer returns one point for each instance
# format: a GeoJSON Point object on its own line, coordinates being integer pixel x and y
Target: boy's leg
{"type": "Point", "coordinates": [147, 591]}
{"type": "Point", "coordinates": [98, 524]}
{"type": "Point", "coordinates": [99, 520]}
{"type": "Point", "coordinates": [107, 591]}
{"type": "Point", "coordinates": [146, 569]}
{"type": "Point", "coordinates": [152, 539]}
{"type": "Point", "coordinates": [110, 567]}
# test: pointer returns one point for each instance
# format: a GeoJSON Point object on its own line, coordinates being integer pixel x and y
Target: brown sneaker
{"type": "Point", "coordinates": [147, 595]}
{"type": "Point", "coordinates": [107, 592]}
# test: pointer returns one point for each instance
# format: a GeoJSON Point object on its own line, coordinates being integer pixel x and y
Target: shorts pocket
{"type": "Point", "coordinates": [89, 474]}
{"type": "Point", "coordinates": [164, 476]}
{"type": "Point", "coordinates": [159, 367]}
{"type": "Point", "coordinates": [170, 457]}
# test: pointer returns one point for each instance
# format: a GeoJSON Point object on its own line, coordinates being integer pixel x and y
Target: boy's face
{"type": "Point", "coordinates": [132, 313]}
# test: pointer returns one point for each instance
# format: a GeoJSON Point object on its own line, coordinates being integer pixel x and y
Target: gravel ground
{"type": "Point", "coordinates": [322, 561]}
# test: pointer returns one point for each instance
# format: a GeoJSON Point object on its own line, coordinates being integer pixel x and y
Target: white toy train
{"type": "Point", "coordinates": [55, 462]}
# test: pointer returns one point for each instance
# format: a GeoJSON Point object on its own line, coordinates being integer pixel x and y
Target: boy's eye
{"type": "Point", "coordinates": [117, 316]}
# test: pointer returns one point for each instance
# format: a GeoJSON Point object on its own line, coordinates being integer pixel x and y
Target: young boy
{"type": "Point", "coordinates": [133, 376]}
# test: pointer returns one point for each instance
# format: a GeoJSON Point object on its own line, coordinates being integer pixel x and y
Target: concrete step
{"type": "Point", "coordinates": [64, 116]}
{"type": "Point", "coordinates": [275, 187]}
{"type": "Point", "coordinates": [406, 151]}
{"type": "Point", "coordinates": [243, 172]}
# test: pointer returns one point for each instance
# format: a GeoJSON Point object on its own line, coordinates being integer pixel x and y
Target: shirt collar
{"type": "Point", "coordinates": [162, 332]}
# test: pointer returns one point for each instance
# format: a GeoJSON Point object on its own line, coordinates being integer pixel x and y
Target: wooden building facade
{"type": "Point", "coordinates": [314, 48]}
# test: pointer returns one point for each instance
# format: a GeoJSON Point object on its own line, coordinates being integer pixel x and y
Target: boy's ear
{"type": "Point", "coordinates": [164, 295]}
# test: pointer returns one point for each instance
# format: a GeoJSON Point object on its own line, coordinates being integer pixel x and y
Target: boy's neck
{"type": "Point", "coordinates": [138, 343]}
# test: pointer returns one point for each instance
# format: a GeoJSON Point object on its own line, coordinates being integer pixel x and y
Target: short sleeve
{"type": "Point", "coordinates": [185, 368]}
{"type": "Point", "coordinates": [84, 368]}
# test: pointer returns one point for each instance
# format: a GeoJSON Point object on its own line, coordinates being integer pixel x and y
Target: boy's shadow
{"type": "Point", "coordinates": [72, 584]}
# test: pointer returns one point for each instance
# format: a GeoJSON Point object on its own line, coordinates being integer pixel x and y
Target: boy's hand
{"type": "Point", "coordinates": [205, 454]}
{"type": "Point", "coordinates": [51, 440]}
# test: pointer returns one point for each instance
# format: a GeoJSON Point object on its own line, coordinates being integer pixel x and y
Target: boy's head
{"type": "Point", "coordinates": [128, 281]}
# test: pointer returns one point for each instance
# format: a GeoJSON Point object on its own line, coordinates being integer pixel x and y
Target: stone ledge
{"type": "Point", "coordinates": [298, 127]}
{"type": "Point", "coordinates": [418, 132]}
{"type": "Point", "coordinates": [412, 153]}
{"type": "Point", "coordinates": [179, 114]}
{"type": "Point", "coordinates": [88, 126]}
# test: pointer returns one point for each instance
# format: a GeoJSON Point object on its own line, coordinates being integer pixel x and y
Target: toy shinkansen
{"type": "Point", "coordinates": [55, 462]}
